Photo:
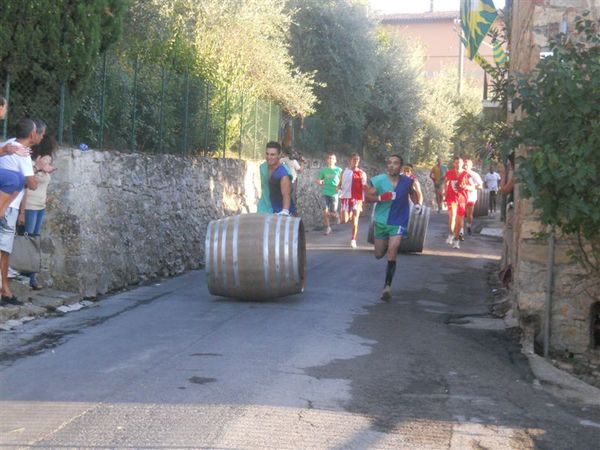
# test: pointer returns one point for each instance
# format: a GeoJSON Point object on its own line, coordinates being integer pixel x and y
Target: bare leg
{"type": "Point", "coordinates": [4, 274]}
{"type": "Point", "coordinates": [355, 217]}
{"type": "Point", "coordinates": [451, 217]}
{"type": "Point", "coordinates": [5, 200]}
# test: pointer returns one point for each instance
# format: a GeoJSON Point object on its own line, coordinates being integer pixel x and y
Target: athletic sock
{"type": "Point", "coordinates": [389, 273]}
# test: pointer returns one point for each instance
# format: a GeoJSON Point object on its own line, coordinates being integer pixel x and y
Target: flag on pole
{"type": "Point", "coordinates": [476, 16]}
{"type": "Point", "coordinates": [500, 57]}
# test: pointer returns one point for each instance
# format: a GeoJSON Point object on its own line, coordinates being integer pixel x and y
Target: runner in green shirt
{"type": "Point", "coordinates": [329, 178]}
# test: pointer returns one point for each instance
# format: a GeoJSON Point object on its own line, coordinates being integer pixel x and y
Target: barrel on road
{"type": "Point", "coordinates": [255, 256]}
{"type": "Point", "coordinates": [483, 203]}
{"type": "Point", "coordinates": [417, 231]}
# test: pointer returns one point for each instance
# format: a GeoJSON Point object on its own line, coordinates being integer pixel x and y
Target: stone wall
{"type": "Point", "coordinates": [533, 23]}
{"type": "Point", "coordinates": [118, 219]}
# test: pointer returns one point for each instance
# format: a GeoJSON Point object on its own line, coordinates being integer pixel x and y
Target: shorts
{"type": "Point", "coordinates": [330, 203]}
{"type": "Point", "coordinates": [459, 205]}
{"type": "Point", "coordinates": [385, 231]}
{"type": "Point", "coordinates": [471, 202]}
{"type": "Point", "coordinates": [11, 181]}
{"type": "Point", "coordinates": [350, 204]}
{"type": "Point", "coordinates": [7, 234]}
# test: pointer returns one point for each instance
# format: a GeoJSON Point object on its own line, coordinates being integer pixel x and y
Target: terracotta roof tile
{"type": "Point", "coordinates": [422, 17]}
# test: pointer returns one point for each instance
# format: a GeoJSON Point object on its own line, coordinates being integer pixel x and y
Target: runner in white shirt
{"type": "Point", "coordinates": [492, 181]}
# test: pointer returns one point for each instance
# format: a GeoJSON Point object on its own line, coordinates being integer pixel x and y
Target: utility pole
{"type": "Point", "coordinates": [460, 58]}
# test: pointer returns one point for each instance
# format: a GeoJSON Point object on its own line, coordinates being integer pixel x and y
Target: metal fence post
{"type": "Point", "coordinates": [102, 103]}
{"type": "Point", "coordinates": [186, 112]}
{"type": "Point", "coordinates": [225, 122]}
{"type": "Point", "coordinates": [7, 97]}
{"type": "Point", "coordinates": [134, 100]}
{"type": "Point", "coordinates": [161, 111]}
{"type": "Point", "coordinates": [61, 113]}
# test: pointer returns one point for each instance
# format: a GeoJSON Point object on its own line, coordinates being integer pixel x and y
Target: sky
{"type": "Point", "coordinates": [417, 6]}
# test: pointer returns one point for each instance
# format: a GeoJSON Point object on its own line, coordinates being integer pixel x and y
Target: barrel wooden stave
{"type": "Point", "coordinates": [482, 205]}
{"type": "Point", "coordinates": [255, 256]}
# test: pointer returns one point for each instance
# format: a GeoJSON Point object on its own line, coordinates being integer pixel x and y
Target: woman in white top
{"type": "Point", "coordinates": [35, 201]}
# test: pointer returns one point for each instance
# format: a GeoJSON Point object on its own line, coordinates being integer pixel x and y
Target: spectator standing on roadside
{"type": "Point", "coordinates": [492, 180]}
{"type": "Point", "coordinates": [25, 136]}
{"type": "Point", "coordinates": [34, 202]}
{"type": "Point", "coordinates": [329, 179]}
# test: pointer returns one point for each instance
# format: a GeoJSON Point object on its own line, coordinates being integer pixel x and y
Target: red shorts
{"type": "Point", "coordinates": [350, 204]}
{"type": "Point", "coordinates": [459, 205]}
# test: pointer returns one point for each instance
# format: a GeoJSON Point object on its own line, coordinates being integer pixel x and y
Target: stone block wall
{"type": "Point", "coordinates": [118, 219]}
{"type": "Point", "coordinates": [533, 23]}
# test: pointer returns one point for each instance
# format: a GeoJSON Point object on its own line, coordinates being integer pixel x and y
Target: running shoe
{"type": "Point", "coordinates": [386, 294]}
{"type": "Point", "coordinates": [449, 240]}
{"type": "Point", "coordinates": [456, 243]}
{"type": "Point", "coordinates": [461, 237]}
{"type": "Point", "coordinates": [327, 230]}
{"type": "Point", "coordinates": [469, 231]}
{"type": "Point", "coordinates": [353, 243]}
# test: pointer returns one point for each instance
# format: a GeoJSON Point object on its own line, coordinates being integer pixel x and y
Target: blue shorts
{"type": "Point", "coordinates": [11, 181]}
{"type": "Point", "coordinates": [330, 203]}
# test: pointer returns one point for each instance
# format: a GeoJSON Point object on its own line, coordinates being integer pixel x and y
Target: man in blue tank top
{"type": "Point", "coordinates": [392, 191]}
{"type": "Point", "coordinates": [276, 184]}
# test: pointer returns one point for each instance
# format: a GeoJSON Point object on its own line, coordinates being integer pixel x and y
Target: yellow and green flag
{"type": "Point", "coordinates": [500, 57]}
{"type": "Point", "coordinates": [476, 16]}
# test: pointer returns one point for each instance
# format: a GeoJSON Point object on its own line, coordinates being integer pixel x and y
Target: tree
{"type": "Point", "coordinates": [335, 40]}
{"type": "Point", "coordinates": [45, 43]}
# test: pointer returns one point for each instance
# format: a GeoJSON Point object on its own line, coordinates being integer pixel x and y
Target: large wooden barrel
{"type": "Point", "coordinates": [255, 256]}
{"type": "Point", "coordinates": [483, 203]}
{"type": "Point", "coordinates": [417, 231]}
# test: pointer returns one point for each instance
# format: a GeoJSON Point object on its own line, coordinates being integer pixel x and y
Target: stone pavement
{"type": "Point", "coordinates": [36, 303]}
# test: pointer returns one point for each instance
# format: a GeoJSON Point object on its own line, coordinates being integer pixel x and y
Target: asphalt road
{"type": "Point", "coordinates": [169, 366]}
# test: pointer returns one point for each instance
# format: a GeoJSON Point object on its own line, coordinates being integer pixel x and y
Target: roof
{"type": "Point", "coordinates": [436, 16]}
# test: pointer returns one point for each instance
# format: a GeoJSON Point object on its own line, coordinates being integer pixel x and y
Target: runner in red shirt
{"type": "Point", "coordinates": [456, 200]}
{"type": "Point", "coordinates": [352, 186]}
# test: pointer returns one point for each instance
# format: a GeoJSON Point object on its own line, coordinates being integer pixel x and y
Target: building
{"type": "Point", "coordinates": [437, 31]}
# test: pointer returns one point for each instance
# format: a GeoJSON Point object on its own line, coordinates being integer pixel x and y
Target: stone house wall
{"type": "Point", "coordinates": [533, 23]}
{"type": "Point", "coordinates": [118, 219]}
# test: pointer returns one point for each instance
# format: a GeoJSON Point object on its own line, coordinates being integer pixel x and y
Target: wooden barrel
{"type": "Point", "coordinates": [255, 256]}
{"type": "Point", "coordinates": [417, 231]}
{"type": "Point", "coordinates": [482, 206]}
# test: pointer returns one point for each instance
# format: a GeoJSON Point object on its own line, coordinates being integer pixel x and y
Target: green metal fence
{"type": "Point", "coordinates": [131, 106]}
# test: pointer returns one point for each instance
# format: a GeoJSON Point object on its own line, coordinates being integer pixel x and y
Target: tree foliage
{"type": "Point", "coordinates": [335, 40]}
{"type": "Point", "coordinates": [241, 46]}
{"type": "Point", "coordinates": [442, 108]}
{"type": "Point", "coordinates": [562, 129]}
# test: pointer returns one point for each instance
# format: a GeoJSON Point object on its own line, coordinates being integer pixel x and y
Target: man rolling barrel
{"type": "Point", "coordinates": [391, 191]}
{"type": "Point", "coordinates": [276, 184]}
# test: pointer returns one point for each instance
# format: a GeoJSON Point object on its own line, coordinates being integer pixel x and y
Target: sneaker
{"type": "Point", "coordinates": [449, 239]}
{"type": "Point", "coordinates": [456, 244]}
{"type": "Point", "coordinates": [461, 237]}
{"type": "Point", "coordinates": [12, 273]}
{"type": "Point", "coordinates": [327, 231]}
{"type": "Point", "coordinates": [10, 300]}
{"type": "Point", "coordinates": [469, 231]}
{"type": "Point", "coordinates": [386, 294]}
{"type": "Point", "coordinates": [353, 243]}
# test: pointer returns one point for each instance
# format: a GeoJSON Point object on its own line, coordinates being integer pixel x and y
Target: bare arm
{"type": "Point", "coordinates": [286, 192]}
{"type": "Point", "coordinates": [415, 194]}
{"type": "Point", "coordinates": [371, 194]}
{"type": "Point", "coordinates": [31, 183]}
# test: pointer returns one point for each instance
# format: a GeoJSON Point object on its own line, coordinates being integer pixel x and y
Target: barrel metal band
{"type": "Point", "coordinates": [215, 251]}
{"type": "Point", "coordinates": [295, 251]}
{"type": "Point", "coordinates": [266, 250]}
{"type": "Point", "coordinates": [277, 244]}
{"type": "Point", "coordinates": [207, 265]}
{"type": "Point", "coordinates": [224, 252]}
{"type": "Point", "coordinates": [236, 269]}
{"type": "Point", "coordinates": [286, 247]}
